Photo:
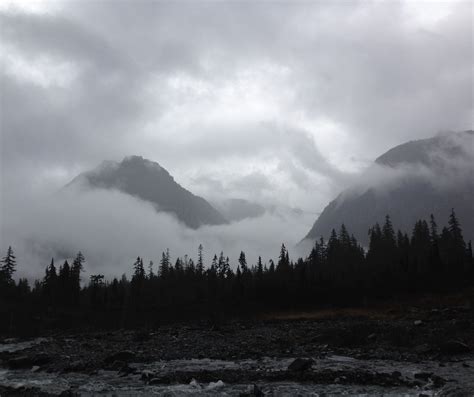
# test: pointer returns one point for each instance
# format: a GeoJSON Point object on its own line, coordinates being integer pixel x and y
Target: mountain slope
{"type": "Point", "coordinates": [409, 182]}
{"type": "Point", "coordinates": [150, 182]}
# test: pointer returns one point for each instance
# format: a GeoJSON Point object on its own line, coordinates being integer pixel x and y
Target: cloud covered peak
{"type": "Point", "coordinates": [409, 182]}
{"type": "Point", "coordinates": [148, 181]}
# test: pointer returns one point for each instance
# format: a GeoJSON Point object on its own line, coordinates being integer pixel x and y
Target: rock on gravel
{"type": "Point", "coordinates": [301, 364]}
{"type": "Point", "coordinates": [454, 347]}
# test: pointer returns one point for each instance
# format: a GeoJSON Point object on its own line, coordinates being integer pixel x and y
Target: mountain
{"type": "Point", "coordinates": [432, 152]}
{"type": "Point", "coordinates": [409, 182]}
{"type": "Point", "coordinates": [236, 210]}
{"type": "Point", "coordinates": [150, 182]}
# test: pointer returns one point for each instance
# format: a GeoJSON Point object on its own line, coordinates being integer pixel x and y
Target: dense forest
{"type": "Point", "coordinates": [336, 272]}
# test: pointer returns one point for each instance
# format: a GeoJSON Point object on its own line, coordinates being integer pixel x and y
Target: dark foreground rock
{"type": "Point", "coordinates": [255, 391]}
{"type": "Point", "coordinates": [121, 356]}
{"type": "Point", "coordinates": [326, 376]}
{"type": "Point", "coordinates": [301, 364]}
{"type": "Point", "coordinates": [445, 336]}
{"type": "Point", "coordinates": [29, 361]}
{"type": "Point", "coordinates": [396, 338]}
{"type": "Point", "coordinates": [454, 347]}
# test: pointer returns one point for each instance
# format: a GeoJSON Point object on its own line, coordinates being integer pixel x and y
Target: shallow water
{"type": "Point", "coordinates": [107, 383]}
{"type": "Point", "coordinates": [12, 345]}
{"type": "Point", "coordinates": [460, 376]}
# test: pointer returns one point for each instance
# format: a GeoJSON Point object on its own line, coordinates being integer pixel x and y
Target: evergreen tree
{"type": "Point", "coordinates": [283, 259]}
{"type": "Point", "coordinates": [23, 288]}
{"type": "Point", "coordinates": [333, 249]}
{"type": "Point", "coordinates": [164, 265]}
{"type": "Point", "coordinates": [435, 257]}
{"type": "Point", "coordinates": [51, 274]}
{"type": "Point", "coordinates": [190, 268]}
{"type": "Point", "coordinates": [375, 238]}
{"type": "Point", "coordinates": [97, 280]}
{"type": "Point", "coordinates": [388, 234]}
{"type": "Point", "coordinates": [243, 261]}
{"type": "Point", "coordinates": [403, 249]}
{"type": "Point", "coordinates": [322, 251]}
{"type": "Point", "coordinates": [64, 281]}
{"type": "Point", "coordinates": [227, 270]}
{"type": "Point", "coordinates": [421, 247]}
{"type": "Point", "coordinates": [271, 268]}
{"type": "Point", "coordinates": [238, 274]}
{"type": "Point", "coordinates": [214, 264]}
{"type": "Point", "coordinates": [455, 230]}
{"type": "Point", "coordinates": [76, 269]}
{"type": "Point", "coordinates": [179, 267]}
{"type": "Point", "coordinates": [470, 260]}
{"type": "Point", "coordinates": [221, 268]}
{"type": "Point", "coordinates": [8, 267]}
{"type": "Point", "coordinates": [50, 281]}
{"type": "Point", "coordinates": [259, 266]}
{"type": "Point", "coordinates": [64, 272]}
{"type": "Point", "coordinates": [445, 244]}
{"type": "Point", "coordinates": [138, 270]}
{"type": "Point", "coordinates": [78, 264]}
{"type": "Point", "coordinates": [433, 229]}
{"type": "Point", "coordinates": [344, 238]}
{"type": "Point", "coordinates": [200, 263]}
{"type": "Point", "coordinates": [151, 273]}
{"type": "Point", "coordinates": [458, 246]}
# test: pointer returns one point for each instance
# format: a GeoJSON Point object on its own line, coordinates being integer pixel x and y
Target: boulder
{"type": "Point", "coordinates": [423, 375]}
{"type": "Point", "coordinates": [253, 391]}
{"type": "Point", "coordinates": [147, 375]}
{"type": "Point", "coordinates": [422, 349]}
{"type": "Point", "coordinates": [76, 366]}
{"type": "Point", "coordinates": [301, 364]}
{"type": "Point", "coordinates": [118, 365]}
{"type": "Point", "coordinates": [454, 347]}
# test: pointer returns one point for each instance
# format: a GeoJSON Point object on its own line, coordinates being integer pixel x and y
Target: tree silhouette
{"type": "Point", "coordinates": [336, 272]}
{"type": "Point", "coordinates": [243, 262]}
{"type": "Point", "coordinates": [8, 267]}
{"type": "Point", "coordinates": [200, 262]}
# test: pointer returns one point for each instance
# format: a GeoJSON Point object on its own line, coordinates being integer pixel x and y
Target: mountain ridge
{"type": "Point", "coordinates": [149, 181]}
{"type": "Point", "coordinates": [423, 177]}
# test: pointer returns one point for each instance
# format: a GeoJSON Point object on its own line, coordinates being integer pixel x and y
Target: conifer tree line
{"type": "Point", "coordinates": [336, 271]}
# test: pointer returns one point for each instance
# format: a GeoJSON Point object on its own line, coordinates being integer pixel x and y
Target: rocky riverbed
{"type": "Point", "coordinates": [411, 351]}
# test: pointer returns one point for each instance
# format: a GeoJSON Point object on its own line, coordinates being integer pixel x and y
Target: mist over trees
{"type": "Point", "coordinates": [408, 181]}
{"type": "Point", "coordinates": [338, 271]}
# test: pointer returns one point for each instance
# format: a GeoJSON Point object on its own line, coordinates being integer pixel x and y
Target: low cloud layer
{"type": "Point", "coordinates": [112, 229]}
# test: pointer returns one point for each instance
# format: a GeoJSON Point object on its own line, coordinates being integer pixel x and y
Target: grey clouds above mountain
{"type": "Point", "coordinates": [299, 94]}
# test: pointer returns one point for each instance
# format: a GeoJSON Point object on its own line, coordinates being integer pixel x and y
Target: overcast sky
{"type": "Point", "coordinates": [275, 102]}
{"type": "Point", "coordinates": [244, 99]}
